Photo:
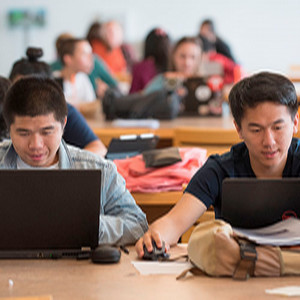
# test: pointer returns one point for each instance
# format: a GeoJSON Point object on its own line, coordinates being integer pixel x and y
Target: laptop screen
{"type": "Point", "coordinates": [49, 210]}
{"type": "Point", "coordinates": [254, 203]}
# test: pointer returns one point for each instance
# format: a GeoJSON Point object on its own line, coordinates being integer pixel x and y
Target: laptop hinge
{"type": "Point", "coordinates": [86, 248]}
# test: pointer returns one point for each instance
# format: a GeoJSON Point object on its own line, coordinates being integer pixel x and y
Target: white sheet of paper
{"type": "Point", "coordinates": [155, 267]}
{"type": "Point", "coordinates": [129, 123]}
{"type": "Point", "coordinates": [283, 233]}
{"type": "Point", "coordinates": [285, 291]}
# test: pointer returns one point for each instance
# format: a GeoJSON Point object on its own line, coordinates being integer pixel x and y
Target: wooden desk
{"type": "Point", "coordinates": [71, 279]}
{"type": "Point", "coordinates": [214, 140]}
{"type": "Point", "coordinates": [105, 130]}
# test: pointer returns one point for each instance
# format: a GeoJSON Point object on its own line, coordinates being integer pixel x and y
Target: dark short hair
{"type": "Point", "coordinates": [94, 32]}
{"type": "Point", "coordinates": [30, 65]}
{"type": "Point", "coordinates": [259, 88]}
{"type": "Point", "coordinates": [34, 96]}
{"type": "Point", "coordinates": [210, 23]}
{"type": "Point", "coordinates": [67, 47]}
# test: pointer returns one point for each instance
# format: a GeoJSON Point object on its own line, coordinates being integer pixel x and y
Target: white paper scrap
{"type": "Point", "coordinates": [155, 267]}
{"type": "Point", "coordinates": [285, 291]}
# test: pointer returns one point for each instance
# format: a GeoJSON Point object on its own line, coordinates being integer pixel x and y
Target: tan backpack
{"type": "Point", "coordinates": [215, 250]}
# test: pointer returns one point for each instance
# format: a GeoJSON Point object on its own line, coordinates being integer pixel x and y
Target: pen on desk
{"type": "Point", "coordinates": [124, 249]}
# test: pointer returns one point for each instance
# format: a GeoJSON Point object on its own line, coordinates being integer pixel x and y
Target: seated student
{"type": "Point", "coordinates": [76, 56]}
{"type": "Point", "coordinates": [161, 96]}
{"type": "Point", "coordinates": [185, 62]}
{"type": "Point", "coordinates": [156, 59]}
{"type": "Point", "coordinates": [264, 108]}
{"type": "Point", "coordinates": [210, 55]}
{"type": "Point", "coordinates": [100, 70]}
{"type": "Point", "coordinates": [77, 132]}
{"type": "Point", "coordinates": [207, 30]}
{"type": "Point", "coordinates": [4, 86]}
{"type": "Point", "coordinates": [35, 112]}
{"type": "Point", "coordinates": [107, 45]}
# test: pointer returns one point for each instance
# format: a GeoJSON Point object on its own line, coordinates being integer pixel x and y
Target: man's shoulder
{"type": "Point", "coordinates": [294, 150]}
{"type": "Point", "coordinates": [86, 159]}
{"type": "Point", "coordinates": [236, 153]}
{"type": "Point", "coordinates": [4, 148]}
{"type": "Point", "coordinates": [295, 146]}
{"type": "Point", "coordinates": [230, 161]}
{"type": "Point", "coordinates": [4, 145]}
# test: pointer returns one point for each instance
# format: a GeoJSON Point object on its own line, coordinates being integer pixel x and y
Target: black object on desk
{"type": "Point", "coordinates": [130, 145]}
{"type": "Point", "coordinates": [105, 254]}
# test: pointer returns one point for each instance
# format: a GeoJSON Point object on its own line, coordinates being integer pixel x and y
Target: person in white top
{"type": "Point", "coordinates": [77, 59]}
{"type": "Point", "coordinates": [78, 89]}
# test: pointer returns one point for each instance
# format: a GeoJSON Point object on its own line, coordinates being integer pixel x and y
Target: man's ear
{"type": "Point", "coordinates": [65, 122]}
{"type": "Point", "coordinates": [296, 123]}
{"type": "Point", "coordinates": [239, 130]}
{"type": "Point", "coordinates": [67, 59]}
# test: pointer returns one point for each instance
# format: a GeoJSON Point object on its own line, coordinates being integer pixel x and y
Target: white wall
{"type": "Point", "coordinates": [263, 34]}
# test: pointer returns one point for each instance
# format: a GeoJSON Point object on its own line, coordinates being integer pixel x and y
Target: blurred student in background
{"type": "Point", "coordinates": [160, 98]}
{"type": "Point", "coordinates": [76, 56]}
{"type": "Point", "coordinates": [99, 71]}
{"type": "Point", "coordinates": [185, 59]}
{"type": "Point", "coordinates": [110, 47]}
{"type": "Point", "coordinates": [77, 132]}
{"type": "Point", "coordinates": [207, 30]}
{"type": "Point", "coordinates": [226, 65]}
{"type": "Point", "coordinates": [156, 57]}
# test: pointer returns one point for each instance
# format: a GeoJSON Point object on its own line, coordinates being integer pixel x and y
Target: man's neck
{"type": "Point", "coordinates": [262, 171]}
{"type": "Point", "coordinates": [22, 165]}
{"type": "Point", "coordinates": [68, 74]}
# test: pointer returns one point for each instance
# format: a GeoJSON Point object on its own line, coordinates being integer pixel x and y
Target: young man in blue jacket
{"type": "Point", "coordinates": [35, 112]}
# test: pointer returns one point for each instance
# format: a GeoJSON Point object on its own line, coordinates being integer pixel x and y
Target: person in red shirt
{"type": "Point", "coordinates": [108, 46]}
{"type": "Point", "coordinates": [211, 55]}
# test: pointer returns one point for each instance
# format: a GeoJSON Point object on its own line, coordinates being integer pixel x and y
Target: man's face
{"type": "Point", "coordinates": [82, 59]}
{"type": "Point", "coordinates": [37, 139]}
{"type": "Point", "coordinates": [267, 131]}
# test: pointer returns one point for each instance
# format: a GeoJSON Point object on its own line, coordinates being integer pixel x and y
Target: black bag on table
{"type": "Point", "coordinates": [160, 104]}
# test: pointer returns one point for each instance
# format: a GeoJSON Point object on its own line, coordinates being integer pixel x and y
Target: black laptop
{"type": "Point", "coordinates": [201, 99]}
{"type": "Point", "coordinates": [49, 213]}
{"type": "Point", "coordinates": [254, 203]}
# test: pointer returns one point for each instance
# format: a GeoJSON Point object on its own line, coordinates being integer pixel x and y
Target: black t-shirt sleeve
{"type": "Point", "coordinates": [77, 131]}
{"type": "Point", "coordinates": [206, 184]}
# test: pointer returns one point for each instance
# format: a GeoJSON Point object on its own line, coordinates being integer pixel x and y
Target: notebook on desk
{"type": "Point", "coordinates": [254, 203]}
{"type": "Point", "coordinates": [130, 145]}
{"type": "Point", "coordinates": [49, 213]}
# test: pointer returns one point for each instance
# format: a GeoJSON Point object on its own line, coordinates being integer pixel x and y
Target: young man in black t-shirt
{"type": "Point", "coordinates": [264, 108]}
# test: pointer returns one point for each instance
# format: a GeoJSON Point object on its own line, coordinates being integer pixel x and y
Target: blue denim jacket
{"type": "Point", "coordinates": [121, 220]}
